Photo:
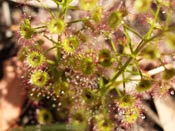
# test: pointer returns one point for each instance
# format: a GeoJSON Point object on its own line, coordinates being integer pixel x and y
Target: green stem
{"type": "Point", "coordinates": [76, 21]}
{"type": "Point", "coordinates": [148, 35]}
{"type": "Point", "coordinates": [49, 49]}
{"type": "Point", "coordinates": [162, 63]}
{"type": "Point", "coordinates": [123, 78]}
{"type": "Point", "coordinates": [132, 30]}
{"type": "Point", "coordinates": [169, 14]}
{"type": "Point", "coordinates": [113, 45]}
{"type": "Point", "coordinates": [142, 43]}
{"type": "Point", "coordinates": [128, 40]}
{"type": "Point", "coordinates": [40, 27]}
{"type": "Point", "coordinates": [137, 65]}
{"type": "Point", "coordinates": [50, 39]}
{"type": "Point", "coordinates": [118, 91]}
{"type": "Point", "coordinates": [46, 7]}
{"type": "Point", "coordinates": [106, 34]}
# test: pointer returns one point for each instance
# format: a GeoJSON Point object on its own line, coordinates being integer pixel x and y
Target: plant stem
{"type": "Point", "coordinates": [49, 49]}
{"type": "Point", "coordinates": [132, 30]}
{"type": "Point", "coordinates": [76, 21]}
{"type": "Point", "coordinates": [40, 27]}
{"type": "Point", "coordinates": [139, 47]}
{"type": "Point", "coordinates": [50, 39]}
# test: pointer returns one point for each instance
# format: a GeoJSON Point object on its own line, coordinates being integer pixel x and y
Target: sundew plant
{"type": "Point", "coordinates": [85, 60]}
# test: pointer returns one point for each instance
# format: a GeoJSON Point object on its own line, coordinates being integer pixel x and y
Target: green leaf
{"type": "Point", "coordinates": [105, 58]}
{"type": "Point", "coordinates": [26, 29]}
{"type": "Point", "coordinates": [88, 4]}
{"type": "Point", "coordinates": [97, 14]}
{"type": "Point", "coordinates": [35, 59]}
{"type": "Point", "coordinates": [56, 26]}
{"type": "Point", "coordinates": [144, 85]}
{"type": "Point", "coordinates": [39, 78]}
{"type": "Point", "coordinates": [142, 5]}
{"type": "Point", "coordinates": [87, 66]}
{"type": "Point", "coordinates": [70, 44]}
{"type": "Point", "coordinates": [114, 19]}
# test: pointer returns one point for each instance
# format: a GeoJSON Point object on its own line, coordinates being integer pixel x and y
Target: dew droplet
{"type": "Point", "coordinates": [77, 76]}
{"type": "Point", "coordinates": [172, 92]}
{"type": "Point", "coordinates": [143, 117]}
{"type": "Point", "coordinates": [39, 94]}
{"type": "Point", "coordinates": [62, 92]}
{"type": "Point", "coordinates": [53, 105]}
{"type": "Point", "coordinates": [59, 104]}
{"type": "Point", "coordinates": [69, 17]}
{"type": "Point", "coordinates": [25, 120]}
{"type": "Point", "coordinates": [73, 97]}
{"type": "Point", "coordinates": [48, 97]}
{"type": "Point", "coordinates": [115, 116]}
{"type": "Point", "coordinates": [33, 89]}
{"type": "Point", "coordinates": [22, 77]}
{"type": "Point", "coordinates": [54, 99]}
